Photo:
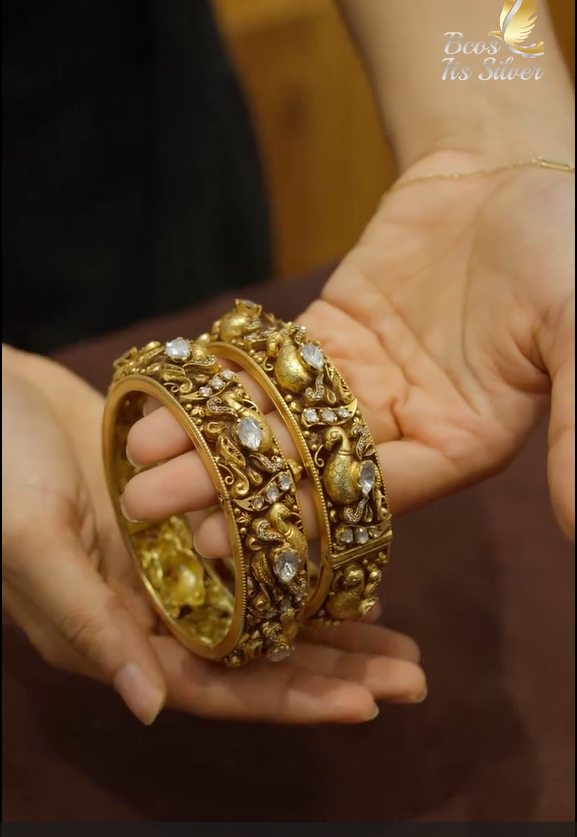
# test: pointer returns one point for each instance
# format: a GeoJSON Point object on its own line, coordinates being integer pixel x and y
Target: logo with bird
{"type": "Point", "coordinates": [518, 20]}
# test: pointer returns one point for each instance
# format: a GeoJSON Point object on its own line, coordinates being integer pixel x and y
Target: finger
{"type": "Point", "coordinates": [387, 678]}
{"type": "Point", "coordinates": [367, 639]}
{"type": "Point", "coordinates": [561, 460]}
{"type": "Point", "coordinates": [53, 571]}
{"type": "Point", "coordinates": [182, 484]}
{"type": "Point", "coordinates": [179, 485]}
{"type": "Point", "coordinates": [277, 693]}
{"type": "Point", "coordinates": [44, 638]}
{"type": "Point", "coordinates": [150, 405]}
{"type": "Point", "coordinates": [211, 537]}
{"type": "Point", "coordinates": [416, 474]}
{"type": "Point", "coordinates": [159, 436]}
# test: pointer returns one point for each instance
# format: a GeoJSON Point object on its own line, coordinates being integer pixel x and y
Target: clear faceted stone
{"type": "Point", "coordinates": [367, 477]}
{"type": "Point", "coordinates": [217, 383]}
{"type": "Point", "coordinates": [272, 494]}
{"type": "Point", "coordinates": [285, 482]}
{"type": "Point", "coordinates": [227, 374]}
{"type": "Point", "coordinates": [313, 356]}
{"type": "Point", "coordinates": [205, 392]}
{"type": "Point", "coordinates": [347, 536]}
{"type": "Point", "coordinates": [279, 654]}
{"type": "Point", "coordinates": [286, 565]}
{"type": "Point", "coordinates": [249, 433]}
{"type": "Point", "coordinates": [329, 416]}
{"type": "Point", "coordinates": [178, 349]}
{"type": "Point", "coordinates": [258, 503]}
{"type": "Point", "coordinates": [361, 536]}
{"type": "Point", "coordinates": [311, 416]}
{"type": "Point", "coordinates": [344, 413]}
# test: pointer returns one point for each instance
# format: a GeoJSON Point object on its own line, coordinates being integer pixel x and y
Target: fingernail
{"type": "Point", "coordinates": [374, 714]}
{"type": "Point", "coordinates": [123, 510]}
{"type": "Point", "coordinates": [423, 697]}
{"type": "Point", "coordinates": [142, 698]}
{"type": "Point", "coordinates": [130, 459]}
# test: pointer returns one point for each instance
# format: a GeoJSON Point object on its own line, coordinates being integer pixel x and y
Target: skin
{"type": "Point", "coordinates": [453, 322]}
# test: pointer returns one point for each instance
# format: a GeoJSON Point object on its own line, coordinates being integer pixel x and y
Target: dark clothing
{"type": "Point", "coordinates": [131, 184]}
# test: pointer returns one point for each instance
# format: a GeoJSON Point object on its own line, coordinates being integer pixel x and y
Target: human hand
{"type": "Point", "coordinates": [451, 320]}
{"type": "Point", "coordinates": [67, 580]}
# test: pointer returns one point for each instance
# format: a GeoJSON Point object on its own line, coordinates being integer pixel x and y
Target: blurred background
{"type": "Point", "coordinates": [325, 159]}
{"type": "Point", "coordinates": [158, 153]}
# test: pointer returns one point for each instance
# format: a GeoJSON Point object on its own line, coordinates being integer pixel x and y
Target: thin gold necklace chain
{"type": "Point", "coordinates": [534, 162]}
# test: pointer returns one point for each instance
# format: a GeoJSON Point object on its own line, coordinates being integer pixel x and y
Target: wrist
{"type": "Point", "coordinates": [497, 132]}
{"type": "Point", "coordinates": [496, 120]}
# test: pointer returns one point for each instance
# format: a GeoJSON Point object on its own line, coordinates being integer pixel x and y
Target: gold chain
{"type": "Point", "coordinates": [534, 162]}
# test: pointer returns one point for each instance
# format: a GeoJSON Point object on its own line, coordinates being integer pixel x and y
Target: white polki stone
{"type": "Point", "coordinates": [361, 536]}
{"type": "Point", "coordinates": [178, 349]}
{"type": "Point", "coordinates": [286, 565]}
{"type": "Point", "coordinates": [310, 416]}
{"type": "Point", "coordinates": [374, 532]}
{"type": "Point", "coordinates": [258, 503]}
{"type": "Point", "coordinates": [329, 416]}
{"type": "Point", "coordinates": [347, 536]}
{"type": "Point", "coordinates": [217, 383]}
{"type": "Point", "coordinates": [313, 356]}
{"type": "Point", "coordinates": [367, 477]}
{"type": "Point", "coordinates": [344, 413]}
{"type": "Point", "coordinates": [272, 493]}
{"type": "Point", "coordinates": [205, 392]}
{"type": "Point", "coordinates": [285, 482]}
{"type": "Point", "coordinates": [249, 433]}
{"type": "Point", "coordinates": [227, 374]}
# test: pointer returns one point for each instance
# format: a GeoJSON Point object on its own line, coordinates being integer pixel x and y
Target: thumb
{"type": "Point", "coordinates": [560, 360]}
{"type": "Point", "coordinates": [72, 597]}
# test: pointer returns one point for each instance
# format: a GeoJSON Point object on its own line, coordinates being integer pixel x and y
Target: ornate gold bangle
{"type": "Point", "coordinates": [256, 491]}
{"type": "Point", "coordinates": [336, 448]}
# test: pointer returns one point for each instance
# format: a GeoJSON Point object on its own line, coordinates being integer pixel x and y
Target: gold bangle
{"type": "Point", "coordinates": [256, 490]}
{"type": "Point", "coordinates": [336, 448]}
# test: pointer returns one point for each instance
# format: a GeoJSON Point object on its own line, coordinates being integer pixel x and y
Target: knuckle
{"type": "Point", "coordinates": [86, 631]}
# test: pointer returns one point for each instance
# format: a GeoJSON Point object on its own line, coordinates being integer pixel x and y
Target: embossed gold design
{"type": "Point", "coordinates": [256, 491]}
{"type": "Point", "coordinates": [336, 448]}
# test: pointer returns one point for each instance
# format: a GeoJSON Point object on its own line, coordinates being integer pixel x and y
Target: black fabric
{"type": "Point", "coordinates": [131, 181]}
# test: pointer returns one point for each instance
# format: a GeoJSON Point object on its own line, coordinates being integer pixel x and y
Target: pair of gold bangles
{"type": "Point", "coordinates": [274, 584]}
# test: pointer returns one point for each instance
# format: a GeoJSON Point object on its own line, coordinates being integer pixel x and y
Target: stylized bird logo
{"type": "Point", "coordinates": [518, 20]}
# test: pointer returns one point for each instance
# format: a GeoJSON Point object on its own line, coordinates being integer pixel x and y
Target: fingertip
{"type": "Point", "coordinates": [144, 698]}
{"type": "Point", "coordinates": [211, 537]}
{"type": "Point", "coordinates": [124, 511]}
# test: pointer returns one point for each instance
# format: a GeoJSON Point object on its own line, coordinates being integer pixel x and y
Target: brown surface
{"type": "Point", "coordinates": [482, 579]}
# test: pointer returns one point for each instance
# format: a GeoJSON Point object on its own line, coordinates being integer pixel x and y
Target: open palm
{"type": "Point", "coordinates": [451, 320]}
